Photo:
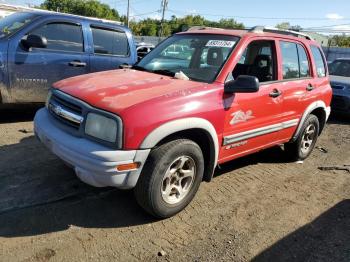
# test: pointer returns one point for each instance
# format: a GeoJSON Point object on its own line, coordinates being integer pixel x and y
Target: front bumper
{"type": "Point", "coordinates": [93, 163]}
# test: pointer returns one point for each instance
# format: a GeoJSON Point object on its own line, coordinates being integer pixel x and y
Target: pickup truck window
{"type": "Point", "coordinates": [199, 57]}
{"type": "Point", "coordinates": [62, 36]}
{"type": "Point", "coordinates": [109, 42]}
{"type": "Point", "coordinates": [340, 68]}
{"type": "Point", "coordinates": [14, 22]}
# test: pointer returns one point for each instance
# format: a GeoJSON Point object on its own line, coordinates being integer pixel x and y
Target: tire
{"type": "Point", "coordinates": [302, 147]}
{"type": "Point", "coordinates": [170, 178]}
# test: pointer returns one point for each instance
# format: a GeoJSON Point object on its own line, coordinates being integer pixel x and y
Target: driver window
{"type": "Point", "coordinates": [259, 60]}
{"type": "Point", "coordinates": [62, 36]}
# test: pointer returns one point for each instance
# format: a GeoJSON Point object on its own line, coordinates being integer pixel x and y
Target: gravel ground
{"type": "Point", "coordinates": [258, 208]}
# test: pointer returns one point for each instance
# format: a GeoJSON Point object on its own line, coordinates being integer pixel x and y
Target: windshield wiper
{"type": "Point", "coordinates": [163, 72]}
{"type": "Point", "coordinates": [140, 68]}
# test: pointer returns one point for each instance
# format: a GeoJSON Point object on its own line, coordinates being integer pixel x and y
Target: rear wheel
{"type": "Point", "coordinates": [305, 143]}
{"type": "Point", "coordinates": [170, 178]}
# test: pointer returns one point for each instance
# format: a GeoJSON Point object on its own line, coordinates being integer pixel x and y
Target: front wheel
{"type": "Point", "coordinates": [305, 143]}
{"type": "Point", "coordinates": [170, 178]}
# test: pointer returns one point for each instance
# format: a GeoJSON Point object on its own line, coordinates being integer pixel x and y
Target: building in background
{"type": "Point", "coordinates": [323, 40]}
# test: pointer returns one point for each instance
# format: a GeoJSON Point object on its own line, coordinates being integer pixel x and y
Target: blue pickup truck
{"type": "Point", "coordinates": [38, 48]}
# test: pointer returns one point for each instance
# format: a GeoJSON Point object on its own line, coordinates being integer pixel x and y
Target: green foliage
{"type": "Point", "coordinates": [91, 8]}
{"type": "Point", "coordinates": [152, 26]}
{"type": "Point", "coordinates": [288, 26]}
{"type": "Point", "coordinates": [283, 26]}
{"type": "Point", "coordinates": [146, 27]}
{"type": "Point", "coordinates": [340, 41]}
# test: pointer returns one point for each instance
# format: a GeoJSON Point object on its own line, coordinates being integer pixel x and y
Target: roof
{"type": "Point", "coordinates": [255, 31]}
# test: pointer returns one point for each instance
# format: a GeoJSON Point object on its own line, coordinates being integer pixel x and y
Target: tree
{"type": "Point", "coordinates": [92, 8]}
{"type": "Point", "coordinates": [340, 41]}
{"type": "Point", "coordinates": [283, 26]}
{"type": "Point", "coordinates": [146, 27]}
{"type": "Point", "coordinates": [175, 24]}
{"type": "Point", "coordinates": [288, 26]}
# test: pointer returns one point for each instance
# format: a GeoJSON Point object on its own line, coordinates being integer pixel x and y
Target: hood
{"type": "Point", "coordinates": [119, 89]}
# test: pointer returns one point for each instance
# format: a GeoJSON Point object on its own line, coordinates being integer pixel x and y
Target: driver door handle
{"type": "Point", "coordinates": [309, 87]}
{"type": "Point", "coordinates": [275, 93]}
{"type": "Point", "coordinates": [77, 63]}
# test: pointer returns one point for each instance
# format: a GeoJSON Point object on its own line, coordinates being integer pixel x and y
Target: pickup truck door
{"type": "Point", "coordinates": [32, 72]}
{"type": "Point", "coordinates": [110, 48]}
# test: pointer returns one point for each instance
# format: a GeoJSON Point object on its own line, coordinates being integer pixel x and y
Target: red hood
{"type": "Point", "coordinates": [119, 89]}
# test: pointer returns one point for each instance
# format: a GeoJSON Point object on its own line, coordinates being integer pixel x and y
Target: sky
{"type": "Point", "coordinates": [306, 13]}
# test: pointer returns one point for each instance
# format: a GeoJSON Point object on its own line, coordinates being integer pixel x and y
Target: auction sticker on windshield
{"type": "Point", "coordinates": [220, 43]}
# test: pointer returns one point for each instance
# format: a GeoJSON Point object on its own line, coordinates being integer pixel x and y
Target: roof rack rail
{"type": "Point", "coordinates": [200, 27]}
{"type": "Point", "coordinates": [262, 29]}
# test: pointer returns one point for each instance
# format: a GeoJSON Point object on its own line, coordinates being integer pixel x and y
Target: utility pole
{"type": "Point", "coordinates": [164, 6]}
{"type": "Point", "coordinates": [128, 13]}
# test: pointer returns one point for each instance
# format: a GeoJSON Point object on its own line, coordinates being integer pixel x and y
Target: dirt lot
{"type": "Point", "coordinates": [258, 208]}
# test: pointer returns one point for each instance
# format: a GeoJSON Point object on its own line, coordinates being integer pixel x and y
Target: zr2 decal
{"type": "Point", "coordinates": [240, 116]}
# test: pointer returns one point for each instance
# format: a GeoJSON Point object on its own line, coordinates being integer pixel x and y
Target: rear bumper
{"type": "Point", "coordinates": [93, 163]}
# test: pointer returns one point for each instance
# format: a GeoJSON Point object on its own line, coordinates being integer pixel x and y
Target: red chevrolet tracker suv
{"type": "Point", "coordinates": [199, 99]}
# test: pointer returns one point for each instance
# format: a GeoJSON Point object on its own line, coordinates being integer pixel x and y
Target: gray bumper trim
{"type": "Point", "coordinates": [93, 163]}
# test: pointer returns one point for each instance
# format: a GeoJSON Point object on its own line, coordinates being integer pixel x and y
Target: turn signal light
{"type": "Point", "coordinates": [128, 167]}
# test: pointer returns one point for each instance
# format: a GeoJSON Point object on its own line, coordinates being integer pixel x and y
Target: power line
{"type": "Point", "coordinates": [257, 17]}
{"type": "Point", "coordinates": [327, 26]}
{"type": "Point", "coordinates": [148, 13]}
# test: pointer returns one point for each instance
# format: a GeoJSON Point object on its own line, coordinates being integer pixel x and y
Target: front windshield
{"type": "Point", "coordinates": [14, 22]}
{"type": "Point", "coordinates": [340, 68]}
{"type": "Point", "coordinates": [199, 57]}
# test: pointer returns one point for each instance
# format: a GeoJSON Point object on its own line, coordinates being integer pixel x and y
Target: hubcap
{"type": "Point", "coordinates": [178, 179]}
{"type": "Point", "coordinates": [308, 138]}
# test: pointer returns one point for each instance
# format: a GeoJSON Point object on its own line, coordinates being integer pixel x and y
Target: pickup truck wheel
{"type": "Point", "coordinates": [170, 178]}
{"type": "Point", "coordinates": [305, 143]}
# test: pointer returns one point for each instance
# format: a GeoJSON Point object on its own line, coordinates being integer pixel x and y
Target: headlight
{"type": "Point", "coordinates": [101, 127]}
{"type": "Point", "coordinates": [48, 99]}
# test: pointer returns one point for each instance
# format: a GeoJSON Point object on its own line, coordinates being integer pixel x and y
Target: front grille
{"type": "Point", "coordinates": [65, 111]}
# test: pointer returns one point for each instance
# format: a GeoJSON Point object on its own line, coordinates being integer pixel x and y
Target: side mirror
{"type": "Point", "coordinates": [243, 84]}
{"type": "Point", "coordinates": [34, 41]}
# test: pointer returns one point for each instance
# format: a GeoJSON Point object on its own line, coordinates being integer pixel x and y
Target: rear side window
{"type": "Point", "coordinates": [319, 61]}
{"type": "Point", "coordinates": [110, 42]}
{"type": "Point", "coordinates": [295, 63]}
{"type": "Point", "coordinates": [290, 60]}
{"type": "Point", "coordinates": [62, 36]}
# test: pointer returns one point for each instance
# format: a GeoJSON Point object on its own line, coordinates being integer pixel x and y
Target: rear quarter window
{"type": "Point", "coordinates": [320, 64]}
{"type": "Point", "coordinates": [109, 42]}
